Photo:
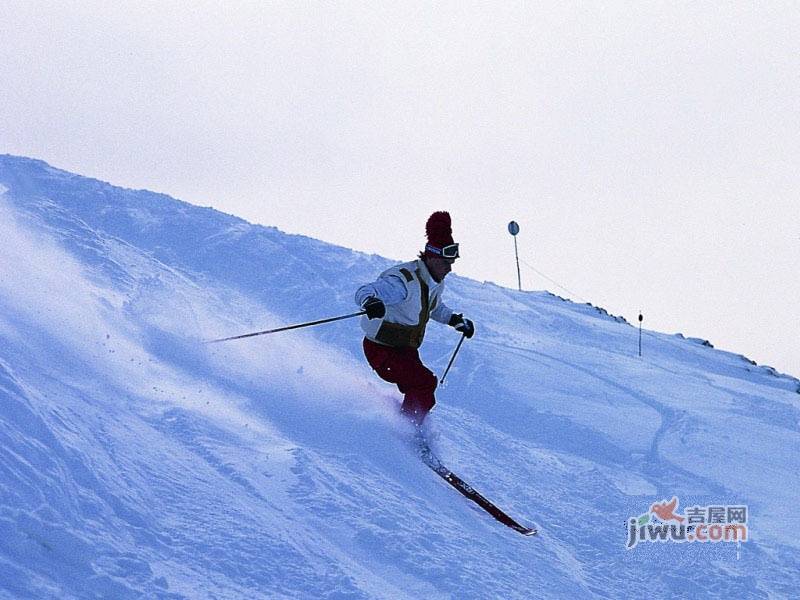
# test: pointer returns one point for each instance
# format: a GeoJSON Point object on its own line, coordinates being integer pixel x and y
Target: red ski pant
{"type": "Point", "coordinates": [404, 367]}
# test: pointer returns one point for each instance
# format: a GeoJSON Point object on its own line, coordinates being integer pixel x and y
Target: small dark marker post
{"type": "Point", "coordinates": [641, 318]}
{"type": "Point", "coordinates": [513, 229]}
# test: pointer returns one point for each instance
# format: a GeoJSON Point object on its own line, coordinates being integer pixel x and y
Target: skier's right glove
{"type": "Point", "coordinates": [375, 308]}
{"type": "Point", "coordinates": [462, 325]}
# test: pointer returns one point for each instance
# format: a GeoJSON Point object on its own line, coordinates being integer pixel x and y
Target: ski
{"type": "Point", "coordinates": [465, 489]}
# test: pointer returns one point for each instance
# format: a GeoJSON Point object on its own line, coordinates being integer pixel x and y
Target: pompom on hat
{"type": "Point", "coordinates": [439, 233]}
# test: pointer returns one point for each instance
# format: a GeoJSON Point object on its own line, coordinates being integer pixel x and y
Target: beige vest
{"type": "Point", "coordinates": [404, 324]}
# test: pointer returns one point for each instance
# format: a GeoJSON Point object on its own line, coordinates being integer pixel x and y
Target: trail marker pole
{"type": "Point", "coordinates": [513, 229]}
{"type": "Point", "coordinates": [641, 318]}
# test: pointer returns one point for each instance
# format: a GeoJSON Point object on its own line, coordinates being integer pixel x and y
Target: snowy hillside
{"type": "Point", "coordinates": [138, 462]}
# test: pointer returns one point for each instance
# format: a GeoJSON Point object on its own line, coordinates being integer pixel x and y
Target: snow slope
{"type": "Point", "coordinates": [136, 461]}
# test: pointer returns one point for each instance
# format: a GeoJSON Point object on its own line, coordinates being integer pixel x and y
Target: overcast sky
{"type": "Point", "coordinates": [649, 151]}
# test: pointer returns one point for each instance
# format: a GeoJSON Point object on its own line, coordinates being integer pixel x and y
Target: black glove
{"type": "Point", "coordinates": [462, 325]}
{"type": "Point", "coordinates": [375, 308]}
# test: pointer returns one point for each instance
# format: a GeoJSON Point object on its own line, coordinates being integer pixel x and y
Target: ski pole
{"type": "Point", "coordinates": [268, 331]}
{"type": "Point", "coordinates": [452, 358]}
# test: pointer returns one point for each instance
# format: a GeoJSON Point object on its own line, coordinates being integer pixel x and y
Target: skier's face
{"type": "Point", "coordinates": [440, 267]}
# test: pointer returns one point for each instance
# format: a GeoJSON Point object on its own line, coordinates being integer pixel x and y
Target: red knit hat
{"type": "Point", "coordinates": [439, 233]}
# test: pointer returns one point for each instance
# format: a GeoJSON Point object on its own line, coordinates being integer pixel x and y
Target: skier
{"type": "Point", "coordinates": [398, 306]}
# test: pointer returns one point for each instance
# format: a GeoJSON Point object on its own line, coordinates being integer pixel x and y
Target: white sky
{"type": "Point", "coordinates": [649, 151]}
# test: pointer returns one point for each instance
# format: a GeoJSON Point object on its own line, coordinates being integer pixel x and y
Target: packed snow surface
{"type": "Point", "coordinates": [137, 461]}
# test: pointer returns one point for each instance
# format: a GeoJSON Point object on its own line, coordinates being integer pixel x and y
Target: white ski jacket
{"type": "Point", "coordinates": [412, 297]}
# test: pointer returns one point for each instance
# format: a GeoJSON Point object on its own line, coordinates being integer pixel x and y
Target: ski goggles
{"type": "Point", "coordinates": [449, 251]}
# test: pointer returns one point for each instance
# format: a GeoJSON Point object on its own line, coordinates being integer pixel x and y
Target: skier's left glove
{"type": "Point", "coordinates": [375, 308]}
{"type": "Point", "coordinates": [462, 325]}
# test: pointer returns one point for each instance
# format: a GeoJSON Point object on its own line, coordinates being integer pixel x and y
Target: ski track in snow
{"type": "Point", "coordinates": [136, 461]}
